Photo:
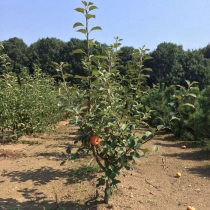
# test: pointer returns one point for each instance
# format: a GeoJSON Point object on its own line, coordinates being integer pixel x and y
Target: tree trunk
{"type": "Point", "coordinates": [107, 195]}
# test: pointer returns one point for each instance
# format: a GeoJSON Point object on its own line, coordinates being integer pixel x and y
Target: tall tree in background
{"type": "Point", "coordinates": [125, 57]}
{"type": "Point", "coordinates": [17, 52]}
{"type": "Point", "coordinates": [196, 68]}
{"type": "Point", "coordinates": [45, 52]}
{"type": "Point", "coordinates": [166, 64]}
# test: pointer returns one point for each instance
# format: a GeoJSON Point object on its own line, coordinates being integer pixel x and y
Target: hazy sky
{"type": "Point", "coordinates": [137, 22]}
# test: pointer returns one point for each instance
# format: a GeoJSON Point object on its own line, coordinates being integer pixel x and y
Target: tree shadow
{"type": "Point", "coordinates": [38, 200]}
{"type": "Point", "coordinates": [201, 170]}
{"type": "Point", "coordinates": [13, 204]}
{"type": "Point", "coordinates": [82, 173]}
{"type": "Point", "coordinates": [194, 155]}
{"type": "Point", "coordinates": [40, 176]}
{"type": "Point", "coordinates": [45, 175]}
{"type": "Point", "coordinates": [178, 144]}
{"type": "Point", "coordinates": [201, 155]}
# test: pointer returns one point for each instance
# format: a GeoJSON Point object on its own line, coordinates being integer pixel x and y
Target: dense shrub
{"type": "Point", "coordinates": [28, 103]}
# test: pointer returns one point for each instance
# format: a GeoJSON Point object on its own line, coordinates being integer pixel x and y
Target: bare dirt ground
{"type": "Point", "coordinates": [31, 177]}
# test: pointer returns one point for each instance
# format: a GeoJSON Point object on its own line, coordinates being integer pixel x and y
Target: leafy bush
{"type": "Point", "coordinates": [28, 103]}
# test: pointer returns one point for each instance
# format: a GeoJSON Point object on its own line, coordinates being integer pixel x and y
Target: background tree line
{"type": "Point", "coordinates": [171, 64]}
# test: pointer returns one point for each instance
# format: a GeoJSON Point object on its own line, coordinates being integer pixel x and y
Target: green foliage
{"type": "Point", "coordinates": [103, 104]}
{"type": "Point", "coordinates": [174, 108]}
{"type": "Point", "coordinates": [44, 53]}
{"type": "Point", "coordinates": [201, 121]}
{"type": "Point", "coordinates": [27, 104]}
{"type": "Point", "coordinates": [172, 65]}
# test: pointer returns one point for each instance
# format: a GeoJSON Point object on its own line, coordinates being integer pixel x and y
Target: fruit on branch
{"type": "Point", "coordinates": [95, 140]}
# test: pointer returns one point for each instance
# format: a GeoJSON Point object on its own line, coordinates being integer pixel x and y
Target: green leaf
{"type": "Point", "coordinates": [78, 51]}
{"type": "Point", "coordinates": [153, 130]}
{"type": "Point", "coordinates": [88, 16]}
{"type": "Point", "coordinates": [101, 181]}
{"type": "Point", "coordinates": [110, 174]}
{"type": "Point", "coordinates": [96, 28]}
{"type": "Point", "coordinates": [148, 133]}
{"type": "Point", "coordinates": [77, 24]}
{"type": "Point", "coordinates": [155, 148]}
{"type": "Point", "coordinates": [115, 181]}
{"type": "Point", "coordinates": [194, 88]}
{"type": "Point", "coordinates": [90, 3]}
{"type": "Point", "coordinates": [109, 191]}
{"type": "Point", "coordinates": [188, 104]}
{"type": "Point", "coordinates": [191, 94]}
{"type": "Point", "coordinates": [100, 57]}
{"type": "Point", "coordinates": [147, 69]}
{"type": "Point", "coordinates": [123, 127]}
{"type": "Point", "coordinates": [175, 118]}
{"type": "Point", "coordinates": [81, 77]}
{"type": "Point", "coordinates": [179, 97]}
{"type": "Point", "coordinates": [194, 82]}
{"type": "Point", "coordinates": [159, 127]}
{"type": "Point", "coordinates": [188, 83]}
{"type": "Point", "coordinates": [92, 8]}
{"type": "Point", "coordinates": [91, 43]}
{"type": "Point", "coordinates": [82, 31]}
{"type": "Point", "coordinates": [84, 2]}
{"type": "Point", "coordinates": [148, 58]}
{"type": "Point", "coordinates": [145, 150]}
{"type": "Point", "coordinates": [94, 73]}
{"type": "Point", "coordinates": [82, 10]}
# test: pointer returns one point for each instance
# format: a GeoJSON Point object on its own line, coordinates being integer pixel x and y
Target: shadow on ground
{"type": "Point", "coordinates": [38, 200]}
{"type": "Point", "coordinates": [193, 155]}
{"type": "Point", "coordinates": [203, 171]}
{"type": "Point", "coordinates": [39, 176]}
{"type": "Point", "coordinates": [45, 175]}
{"type": "Point", "coordinates": [12, 204]}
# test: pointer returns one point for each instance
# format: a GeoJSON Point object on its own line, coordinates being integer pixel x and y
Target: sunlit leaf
{"type": "Point", "coordinates": [96, 28]}
{"type": "Point", "coordinates": [88, 16]}
{"type": "Point", "coordinates": [85, 3]}
{"type": "Point", "coordinates": [175, 118]}
{"type": "Point", "coordinates": [92, 8]}
{"type": "Point", "coordinates": [82, 31]}
{"type": "Point", "coordinates": [191, 94]}
{"type": "Point", "coordinates": [155, 148]}
{"type": "Point", "coordinates": [147, 69]}
{"type": "Point", "coordinates": [78, 51]}
{"type": "Point", "coordinates": [90, 3]}
{"type": "Point", "coordinates": [190, 105]}
{"type": "Point", "coordinates": [159, 127]}
{"type": "Point", "coordinates": [77, 24]}
{"type": "Point", "coordinates": [82, 10]}
{"type": "Point", "coordinates": [109, 191]}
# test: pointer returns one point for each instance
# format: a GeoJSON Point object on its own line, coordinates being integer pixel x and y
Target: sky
{"type": "Point", "coordinates": [137, 22]}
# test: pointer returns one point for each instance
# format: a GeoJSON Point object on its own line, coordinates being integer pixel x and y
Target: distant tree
{"type": "Point", "coordinates": [17, 52]}
{"type": "Point", "coordinates": [206, 51]}
{"type": "Point", "coordinates": [125, 57]}
{"type": "Point", "coordinates": [45, 52]}
{"type": "Point", "coordinates": [196, 68]}
{"type": "Point", "coordinates": [166, 64]}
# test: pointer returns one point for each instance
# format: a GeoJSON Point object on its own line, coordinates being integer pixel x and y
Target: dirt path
{"type": "Point", "coordinates": [31, 177]}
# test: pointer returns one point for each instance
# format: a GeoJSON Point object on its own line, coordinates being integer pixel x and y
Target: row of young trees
{"type": "Point", "coordinates": [28, 102]}
{"type": "Point", "coordinates": [171, 64]}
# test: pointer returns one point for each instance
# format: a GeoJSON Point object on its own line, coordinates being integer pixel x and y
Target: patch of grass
{"type": "Point", "coordinates": [29, 142]}
{"type": "Point", "coordinates": [83, 170]}
{"type": "Point", "coordinates": [13, 208]}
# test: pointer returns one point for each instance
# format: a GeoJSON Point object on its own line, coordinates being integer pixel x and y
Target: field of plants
{"type": "Point", "coordinates": [119, 115]}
